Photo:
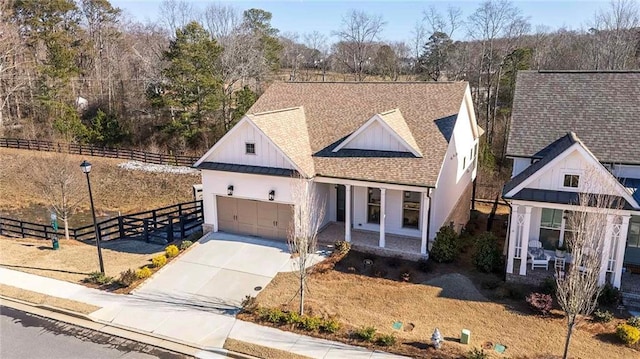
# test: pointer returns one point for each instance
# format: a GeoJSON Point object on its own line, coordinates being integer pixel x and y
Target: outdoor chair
{"type": "Point", "coordinates": [537, 256]}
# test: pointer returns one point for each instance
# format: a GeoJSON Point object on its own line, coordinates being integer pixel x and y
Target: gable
{"type": "Point", "coordinates": [231, 149]}
{"type": "Point", "coordinates": [386, 131]}
{"type": "Point", "coordinates": [576, 162]}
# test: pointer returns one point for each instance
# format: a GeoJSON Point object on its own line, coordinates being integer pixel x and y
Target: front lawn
{"type": "Point", "coordinates": [449, 301]}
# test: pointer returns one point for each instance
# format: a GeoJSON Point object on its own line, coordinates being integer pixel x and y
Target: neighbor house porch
{"type": "Point", "coordinates": [545, 225]}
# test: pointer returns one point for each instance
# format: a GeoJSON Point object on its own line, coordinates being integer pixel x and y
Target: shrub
{"type": "Point", "coordinates": [386, 340]}
{"type": "Point", "coordinates": [602, 316]}
{"type": "Point", "coordinates": [634, 322]}
{"type": "Point", "coordinates": [487, 256]}
{"type": "Point", "coordinates": [394, 262]}
{"type": "Point", "coordinates": [609, 295]}
{"type": "Point", "coordinates": [342, 247]}
{"type": "Point", "coordinates": [248, 303]}
{"type": "Point", "coordinates": [171, 251]}
{"type": "Point", "coordinates": [143, 272]}
{"type": "Point", "coordinates": [159, 260]}
{"type": "Point", "coordinates": [365, 333]}
{"type": "Point", "coordinates": [291, 317]}
{"type": "Point", "coordinates": [185, 244]}
{"type": "Point", "coordinates": [446, 247]}
{"type": "Point", "coordinates": [424, 265]}
{"type": "Point", "coordinates": [549, 286]}
{"type": "Point", "coordinates": [330, 325]}
{"type": "Point", "coordinates": [405, 275]}
{"type": "Point", "coordinates": [540, 302]}
{"type": "Point", "coordinates": [476, 353]}
{"type": "Point", "coordinates": [127, 277]}
{"type": "Point", "coordinates": [310, 323]}
{"type": "Point", "coordinates": [491, 284]}
{"type": "Point", "coordinates": [628, 334]}
{"type": "Point", "coordinates": [98, 278]}
{"type": "Point", "coordinates": [271, 315]}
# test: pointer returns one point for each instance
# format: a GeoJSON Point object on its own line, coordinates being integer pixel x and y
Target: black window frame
{"type": "Point", "coordinates": [373, 207]}
{"type": "Point", "coordinates": [410, 205]}
{"type": "Point", "coordinates": [571, 180]}
{"type": "Point", "coordinates": [247, 146]}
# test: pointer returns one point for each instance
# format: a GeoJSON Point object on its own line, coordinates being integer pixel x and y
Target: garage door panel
{"type": "Point", "coordinates": [285, 212]}
{"type": "Point", "coordinates": [255, 218]}
{"type": "Point", "coordinates": [247, 211]}
{"type": "Point", "coordinates": [227, 209]}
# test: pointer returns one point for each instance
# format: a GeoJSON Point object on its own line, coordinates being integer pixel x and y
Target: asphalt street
{"type": "Point", "coordinates": [26, 336]}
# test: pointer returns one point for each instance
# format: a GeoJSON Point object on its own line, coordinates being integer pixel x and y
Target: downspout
{"type": "Point", "coordinates": [428, 220]}
{"type": "Point", "coordinates": [504, 270]}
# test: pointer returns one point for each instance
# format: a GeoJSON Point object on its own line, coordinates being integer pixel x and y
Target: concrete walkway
{"type": "Point", "coordinates": [189, 317]}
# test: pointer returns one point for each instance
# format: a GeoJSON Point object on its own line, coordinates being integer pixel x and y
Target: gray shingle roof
{"type": "Point", "coordinates": [228, 167]}
{"type": "Point", "coordinates": [333, 111]}
{"type": "Point", "coordinates": [550, 152]}
{"type": "Point", "coordinates": [602, 108]}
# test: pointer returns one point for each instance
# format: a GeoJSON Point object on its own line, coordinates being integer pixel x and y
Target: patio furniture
{"type": "Point", "coordinates": [537, 256]}
{"type": "Point", "coordinates": [559, 263]}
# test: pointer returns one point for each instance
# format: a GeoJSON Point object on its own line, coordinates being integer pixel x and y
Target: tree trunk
{"type": "Point", "coordinates": [301, 293]}
{"type": "Point", "coordinates": [572, 323]}
{"type": "Point", "coordinates": [66, 227]}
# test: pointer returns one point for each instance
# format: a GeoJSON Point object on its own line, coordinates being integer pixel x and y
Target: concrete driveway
{"type": "Point", "coordinates": [218, 273]}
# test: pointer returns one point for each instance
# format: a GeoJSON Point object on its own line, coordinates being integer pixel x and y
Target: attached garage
{"type": "Point", "coordinates": [254, 218]}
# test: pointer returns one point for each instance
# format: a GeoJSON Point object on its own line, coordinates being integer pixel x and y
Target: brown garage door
{"type": "Point", "coordinates": [254, 218]}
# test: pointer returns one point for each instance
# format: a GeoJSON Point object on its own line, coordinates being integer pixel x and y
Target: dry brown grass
{"type": "Point", "coordinates": [114, 189]}
{"type": "Point", "coordinates": [42, 299]}
{"type": "Point", "coordinates": [359, 300]}
{"type": "Point", "coordinates": [74, 260]}
{"type": "Point", "coordinates": [259, 351]}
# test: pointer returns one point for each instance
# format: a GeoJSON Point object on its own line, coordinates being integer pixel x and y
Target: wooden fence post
{"type": "Point", "coordinates": [1, 222]}
{"type": "Point", "coordinates": [170, 229]}
{"type": "Point", "coordinates": [155, 220]}
{"type": "Point", "coordinates": [180, 209]}
{"type": "Point", "coordinates": [46, 235]}
{"type": "Point", "coordinates": [146, 229]}
{"type": "Point", "coordinates": [22, 229]}
{"type": "Point", "coordinates": [182, 220]}
{"type": "Point", "coordinates": [121, 226]}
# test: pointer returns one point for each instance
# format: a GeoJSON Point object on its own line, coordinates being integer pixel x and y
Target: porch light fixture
{"type": "Point", "coordinates": [272, 195]}
{"type": "Point", "coordinates": [230, 190]}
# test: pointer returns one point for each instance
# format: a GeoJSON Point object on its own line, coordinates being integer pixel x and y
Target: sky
{"type": "Point", "coordinates": [325, 16]}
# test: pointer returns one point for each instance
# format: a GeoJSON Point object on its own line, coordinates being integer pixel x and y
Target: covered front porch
{"type": "Point", "coordinates": [390, 219]}
{"type": "Point", "coordinates": [368, 241]}
{"type": "Point", "coordinates": [545, 225]}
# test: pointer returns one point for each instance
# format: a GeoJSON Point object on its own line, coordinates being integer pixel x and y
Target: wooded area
{"type": "Point", "coordinates": [81, 71]}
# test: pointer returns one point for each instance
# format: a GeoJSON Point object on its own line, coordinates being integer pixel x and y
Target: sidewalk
{"type": "Point", "coordinates": [182, 321]}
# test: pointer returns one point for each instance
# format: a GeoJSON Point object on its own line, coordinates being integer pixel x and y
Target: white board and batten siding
{"type": "Point", "coordinates": [458, 171]}
{"type": "Point", "coordinates": [233, 151]}
{"type": "Point", "coordinates": [376, 137]}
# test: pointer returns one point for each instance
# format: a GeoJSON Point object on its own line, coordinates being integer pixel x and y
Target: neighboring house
{"type": "Point", "coordinates": [393, 162]}
{"type": "Point", "coordinates": [568, 130]}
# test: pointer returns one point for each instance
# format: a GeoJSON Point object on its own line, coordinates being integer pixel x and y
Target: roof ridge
{"type": "Point", "coordinates": [276, 111]}
{"type": "Point", "coordinates": [388, 112]}
{"type": "Point", "coordinates": [374, 82]}
{"type": "Point", "coordinates": [583, 71]}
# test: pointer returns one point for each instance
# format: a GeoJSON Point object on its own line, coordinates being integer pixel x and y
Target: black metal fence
{"type": "Point", "coordinates": [91, 150]}
{"type": "Point", "coordinates": [163, 225]}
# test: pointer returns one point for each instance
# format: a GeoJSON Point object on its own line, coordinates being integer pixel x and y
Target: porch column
{"type": "Point", "coordinates": [347, 213]}
{"type": "Point", "coordinates": [425, 222]}
{"type": "Point", "coordinates": [606, 244]}
{"type": "Point", "coordinates": [513, 237]}
{"type": "Point", "coordinates": [382, 216]}
{"type": "Point", "coordinates": [622, 243]}
{"type": "Point", "coordinates": [525, 240]}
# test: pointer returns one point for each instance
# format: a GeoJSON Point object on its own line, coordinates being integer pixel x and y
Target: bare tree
{"type": "Point", "coordinates": [446, 24]}
{"type": "Point", "coordinates": [418, 39]}
{"type": "Point", "coordinates": [221, 20]}
{"type": "Point", "coordinates": [578, 288]}
{"type": "Point", "coordinates": [358, 33]}
{"type": "Point", "coordinates": [61, 183]}
{"type": "Point", "coordinates": [176, 14]}
{"type": "Point", "coordinates": [308, 213]}
{"type": "Point", "coordinates": [316, 42]}
{"type": "Point", "coordinates": [615, 32]}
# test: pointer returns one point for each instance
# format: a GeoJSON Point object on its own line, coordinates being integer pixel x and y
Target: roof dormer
{"type": "Point", "coordinates": [386, 131]}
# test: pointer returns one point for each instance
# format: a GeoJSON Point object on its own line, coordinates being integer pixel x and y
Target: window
{"type": "Point", "coordinates": [550, 227]}
{"type": "Point", "coordinates": [411, 209]}
{"type": "Point", "coordinates": [250, 148]}
{"type": "Point", "coordinates": [633, 237]}
{"type": "Point", "coordinates": [373, 205]}
{"type": "Point", "coordinates": [571, 181]}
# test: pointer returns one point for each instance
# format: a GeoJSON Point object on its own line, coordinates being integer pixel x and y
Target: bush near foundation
{"type": "Point", "coordinates": [446, 247]}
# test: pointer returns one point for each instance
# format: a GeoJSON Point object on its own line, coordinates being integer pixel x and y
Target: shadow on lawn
{"type": "Point", "coordinates": [43, 269]}
{"type": "Point", "coordinates": [132, 246]}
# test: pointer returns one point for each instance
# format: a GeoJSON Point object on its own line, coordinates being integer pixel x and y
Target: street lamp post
{"type": "Point", "coordinates": [86, 168]}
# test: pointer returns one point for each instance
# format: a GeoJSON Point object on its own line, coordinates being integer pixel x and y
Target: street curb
{"type": "Point", "coordinates": [187, 349]}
